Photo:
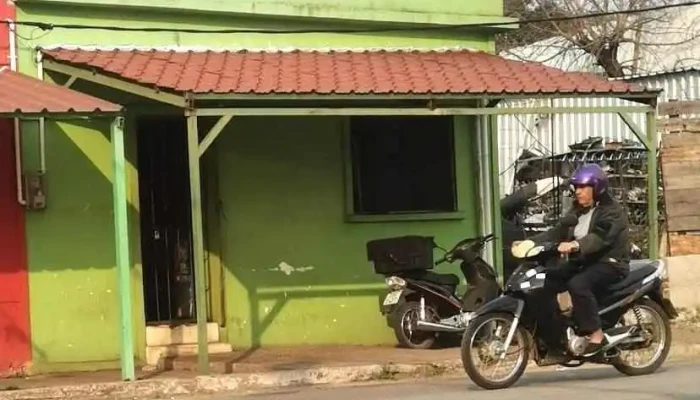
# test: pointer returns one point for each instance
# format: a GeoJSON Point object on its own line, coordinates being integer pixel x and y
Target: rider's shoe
{"type": "Point", "coordinates": [594, 348]}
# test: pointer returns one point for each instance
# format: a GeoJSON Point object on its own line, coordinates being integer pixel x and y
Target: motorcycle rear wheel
{"type": "Point", "coordinates": [663, 330]}
{"type": "Point", "coordinates": [471, 335]}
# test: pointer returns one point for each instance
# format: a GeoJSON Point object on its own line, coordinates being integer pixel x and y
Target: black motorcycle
{"type": "Point", "coordinates": [423, 304]}
{"type": "Point", "coordinates": [635, 315]}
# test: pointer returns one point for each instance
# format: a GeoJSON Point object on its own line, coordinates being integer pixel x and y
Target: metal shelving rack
{"type": "Point", "coordinates": [626, 167]}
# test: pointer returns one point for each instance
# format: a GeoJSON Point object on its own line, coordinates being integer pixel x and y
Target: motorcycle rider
{"type": "Point", "coordinates": [597, 248]}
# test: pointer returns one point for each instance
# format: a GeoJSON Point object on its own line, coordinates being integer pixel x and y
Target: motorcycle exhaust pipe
{"type": "Point", "coordinates": [433, 327]}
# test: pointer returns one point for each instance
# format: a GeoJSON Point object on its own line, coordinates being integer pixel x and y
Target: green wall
{"type": "Point", "coordinates": [71, 255]}
{"type": "Point", "coordinates": [73, 286]}
{"type": "Point", "coordinates": [283, 194]}
{"type": "Point", "coordinates": [395, 11]}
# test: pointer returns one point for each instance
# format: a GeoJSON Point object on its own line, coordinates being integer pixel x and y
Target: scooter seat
{"type": "Point", "coordinates": [441, 279]}
{"type": "Point", "coordinates": [639, 269]}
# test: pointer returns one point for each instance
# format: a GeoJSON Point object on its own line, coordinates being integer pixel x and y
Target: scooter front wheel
{"type": "Point", "coordinates": [405, 326]}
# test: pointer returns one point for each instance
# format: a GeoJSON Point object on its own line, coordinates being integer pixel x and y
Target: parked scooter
{"type": "Point", "coordinates": [423, 305]}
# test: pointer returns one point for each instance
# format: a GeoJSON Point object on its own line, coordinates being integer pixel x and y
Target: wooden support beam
{"type": "Point", "coordinates": [636, 130]}
{"type": "Point", "coordinates": [198, 245]}
{"type": "Point", "coordinates": [496, 219]}
{"type": "Point", "coordinates": [266, 112]}
{"type": "Point", "coordinates": [115, 83]}
{"type": "Point", "coordinates": [652, 185]}
{"type": "Point", "coordinates": [121, 238]}
{"type": "Point", "coordinates": [214, 133]}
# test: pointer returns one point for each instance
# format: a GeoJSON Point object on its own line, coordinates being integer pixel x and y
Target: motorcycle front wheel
{"type": "Point", "coordinates": [483, 347]}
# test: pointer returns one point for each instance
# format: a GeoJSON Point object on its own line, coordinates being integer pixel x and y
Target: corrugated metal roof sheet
{"type": "Point", "coordinates": [22, 94]}
{"type": "Point", "coordinates": [337, 72]}
{"type": "Point", "coordinates": [653, 74]}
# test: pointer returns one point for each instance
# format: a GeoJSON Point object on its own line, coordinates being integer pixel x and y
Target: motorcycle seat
{"type": "Point", "coordinates": [441, 279]}
{"type": "Point", "coordinates": [639, 269]}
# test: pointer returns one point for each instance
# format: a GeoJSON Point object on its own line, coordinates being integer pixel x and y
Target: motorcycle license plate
{"type": "Point", "coordinates": [392, 298]}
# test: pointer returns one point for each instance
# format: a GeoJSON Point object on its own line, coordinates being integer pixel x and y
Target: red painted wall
{"type": "Point", "coordinates": [15, 342]}
{"type": "Point", "coordinates": [7, 10]}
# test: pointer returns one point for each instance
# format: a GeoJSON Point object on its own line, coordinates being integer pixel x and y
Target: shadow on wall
{"type": "Point", "coordinates": [71, 251]}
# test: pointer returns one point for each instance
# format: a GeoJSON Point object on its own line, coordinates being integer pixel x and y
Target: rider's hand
{"type": "Point", "coordinates": [567, 247]}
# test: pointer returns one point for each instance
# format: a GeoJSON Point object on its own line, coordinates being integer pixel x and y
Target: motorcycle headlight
{"type": "Point", "coordinates": [395, 283]}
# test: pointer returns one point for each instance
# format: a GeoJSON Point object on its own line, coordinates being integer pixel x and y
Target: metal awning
{"type": "Point", "coordinates": [264, 74]}
{"type": "Point", "coordinates": [23, 95]}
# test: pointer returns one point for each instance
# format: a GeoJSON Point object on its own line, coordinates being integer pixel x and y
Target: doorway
{"type": "Point", "coordinates": [166, 234]}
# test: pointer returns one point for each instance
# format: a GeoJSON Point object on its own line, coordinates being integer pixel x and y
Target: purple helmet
{"type": "Point", "coordinates": [591, 175]}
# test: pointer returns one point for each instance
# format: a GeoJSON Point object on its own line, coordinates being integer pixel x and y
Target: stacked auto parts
{"type": "Point", "coordinates": [625, 164]}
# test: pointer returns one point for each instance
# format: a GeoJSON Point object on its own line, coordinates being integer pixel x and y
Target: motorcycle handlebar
{"type": "Point", "coordinates": [482, 240]}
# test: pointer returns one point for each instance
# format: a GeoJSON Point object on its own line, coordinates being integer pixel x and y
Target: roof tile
{"type": "Point", "coordinates": [338, 72]}
{"type": "Point", "coordinates": [21, 93]}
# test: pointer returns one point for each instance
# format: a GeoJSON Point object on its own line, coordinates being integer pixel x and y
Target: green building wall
{"type": "Point", "coordinates": [295, 270]}
{"type": "Point", "coordinates": [280, 183]}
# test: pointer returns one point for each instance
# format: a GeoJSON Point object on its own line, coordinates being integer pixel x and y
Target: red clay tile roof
{"type": "Point", "coordinates": [22, 94]}
{"type": "Point", "coordinates": [457, 72]}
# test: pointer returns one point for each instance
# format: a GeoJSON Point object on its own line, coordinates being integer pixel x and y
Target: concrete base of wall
{"type": "Point", "coordinates": [684, 279]}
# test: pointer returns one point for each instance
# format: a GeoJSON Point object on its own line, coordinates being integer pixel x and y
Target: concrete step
{"type": "Point", "coordinates": [165, 335]}
{"type": "Point", "coordinates": [155, 355]}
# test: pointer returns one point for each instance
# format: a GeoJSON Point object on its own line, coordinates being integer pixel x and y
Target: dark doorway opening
{"type": "Point", "coordinates": [166, 234]}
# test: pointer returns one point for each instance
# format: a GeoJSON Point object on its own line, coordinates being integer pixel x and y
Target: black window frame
{"type": "Point", "coordinates": [445, 126]}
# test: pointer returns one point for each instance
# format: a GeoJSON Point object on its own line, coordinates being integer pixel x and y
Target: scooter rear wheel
{"type": "Point", "coordinates": [405, 330]}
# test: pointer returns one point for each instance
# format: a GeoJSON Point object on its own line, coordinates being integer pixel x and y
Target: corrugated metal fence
{"type": "Point", "coordinates": [551, 134]}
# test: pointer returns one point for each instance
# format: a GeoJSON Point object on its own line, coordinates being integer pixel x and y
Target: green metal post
{"type": "Point", "coordinates": [198, 245]}
{"type": "Point", "coordinates": [495, 196]}
{"type": "Point", "coordinates": [653, 185]}
{"type": "Point", "coordinates": [121, 237]}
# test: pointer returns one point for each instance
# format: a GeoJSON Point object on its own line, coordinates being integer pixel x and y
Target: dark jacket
{"type": "Point", "coordinates": [607, 240]}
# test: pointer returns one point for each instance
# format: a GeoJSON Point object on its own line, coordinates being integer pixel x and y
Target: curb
{"type": "Point", "coordinates": [157, 388]}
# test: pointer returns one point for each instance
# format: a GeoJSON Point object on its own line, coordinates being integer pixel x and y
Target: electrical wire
{"type": "Point", "coordinates": [47, 26]}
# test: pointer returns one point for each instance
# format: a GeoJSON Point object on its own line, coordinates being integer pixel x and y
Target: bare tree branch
{"type": "Point", "coordinates": [618, 44]}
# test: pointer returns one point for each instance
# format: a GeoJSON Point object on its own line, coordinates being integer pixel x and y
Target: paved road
{"type": "Point", "coordinates": [676, 381]}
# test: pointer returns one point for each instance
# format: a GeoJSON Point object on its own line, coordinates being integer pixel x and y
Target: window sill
{"type": "Point", "coordinates": [457, 215]}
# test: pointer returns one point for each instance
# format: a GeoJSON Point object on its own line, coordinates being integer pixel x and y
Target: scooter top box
{"type": "Point", "coordinates": [399, 254]}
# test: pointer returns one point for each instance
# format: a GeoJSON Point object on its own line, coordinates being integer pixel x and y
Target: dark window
{"type": "Point", "coordinates": [403, 165]}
